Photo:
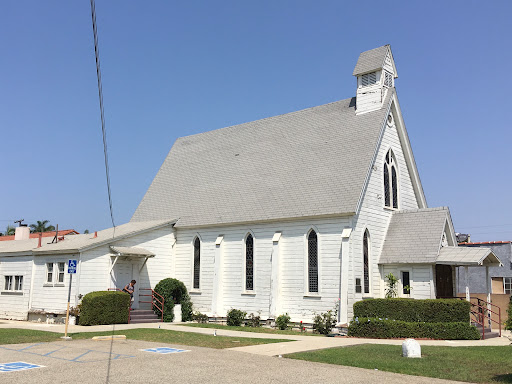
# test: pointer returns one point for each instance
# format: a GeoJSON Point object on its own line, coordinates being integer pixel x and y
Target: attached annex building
{"type": "Point", "coordinates": [291, 214]}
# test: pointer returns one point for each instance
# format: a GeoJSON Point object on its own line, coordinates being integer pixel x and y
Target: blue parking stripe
{"type": "Point", "coordinates": [83, 354]}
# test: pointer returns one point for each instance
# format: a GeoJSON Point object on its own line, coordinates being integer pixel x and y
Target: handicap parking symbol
{"type": "Point", "coordinates": [17, 366]}
{"type": "Point", "coordinates": [164, 350]}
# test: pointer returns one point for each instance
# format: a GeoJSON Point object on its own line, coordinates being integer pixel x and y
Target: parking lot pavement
{"type": "Point", "coordinates": [87, 361]}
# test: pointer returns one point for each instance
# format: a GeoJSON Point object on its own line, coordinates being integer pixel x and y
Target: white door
{"type": "Point", "coordinates": [124, 272]}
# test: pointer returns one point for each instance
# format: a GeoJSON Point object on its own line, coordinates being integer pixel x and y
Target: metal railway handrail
{"type": "Point", "coordinates": [156, 299]}
{"type": "Point", "coordinates": [479, 315]}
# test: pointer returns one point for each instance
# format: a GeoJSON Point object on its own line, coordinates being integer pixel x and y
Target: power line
{"type": "Point", "coordinates": [100, 94]}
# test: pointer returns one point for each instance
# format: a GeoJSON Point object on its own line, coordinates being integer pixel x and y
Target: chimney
{"type": "Point", "coordinates": [95, 234]}
{"type": "Point", "coordinates": [22, 233]}
{"type": "Point", "coordinates": [40, 238]}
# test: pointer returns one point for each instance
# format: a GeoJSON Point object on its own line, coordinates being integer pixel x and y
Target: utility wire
{"type": "Point", "coordinates": [105, 152]}
{"type": "Point", "coordinates": [100, 94]}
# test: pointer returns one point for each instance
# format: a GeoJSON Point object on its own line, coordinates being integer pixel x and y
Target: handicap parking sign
{"type": "Point", "coordinates": [72, 266]}
{"type": "Point", "coordinates": [17, 366]}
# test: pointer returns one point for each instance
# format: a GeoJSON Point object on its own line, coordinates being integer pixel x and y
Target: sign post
{"type": "Point", "coordinates": [72, 265]}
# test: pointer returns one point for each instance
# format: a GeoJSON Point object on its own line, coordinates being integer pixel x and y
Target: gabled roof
{"type": "Point", "coordinates": [373, 60]}
{"type": "Point", "coordinates": [307, 163]}
{"type": "Point", "coordinates": [79, 243]}
{"type": "Point", "coordinates": [414, 236]}
{"type": "Point", "coordinates": [63, 232]}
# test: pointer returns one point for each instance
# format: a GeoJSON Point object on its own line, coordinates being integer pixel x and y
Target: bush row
{"type": "Point", "coordinates": [412, 310]}
{"type": "Point", "coordinates": [104, 307]}
{"type": "Point", "coordinates": [387, 329]}
{"type": "Point", "coordinates": [508, 324]}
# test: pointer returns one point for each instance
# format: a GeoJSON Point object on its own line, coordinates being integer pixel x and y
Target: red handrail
{"type": "Point", "coordinates": [482, 310]}
{"type": "Point", "coordinates": [154, 300]}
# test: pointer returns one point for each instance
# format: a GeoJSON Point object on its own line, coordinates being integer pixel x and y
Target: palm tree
{"type": "Point", "coordinates": [41, 227]}
{"type": "Point", "coordinates": [10, 230]}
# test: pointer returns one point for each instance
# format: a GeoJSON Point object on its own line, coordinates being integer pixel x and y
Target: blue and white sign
{"type": "Point", "coordinates": [164, 350]}
{"type": "Point", "coordinates": [17, 366]}
{"type": "Point", "coordinates": [72, 264]}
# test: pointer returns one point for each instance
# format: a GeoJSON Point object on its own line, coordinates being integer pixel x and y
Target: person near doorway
{"type": "Point", "coordinates": [130, 288]}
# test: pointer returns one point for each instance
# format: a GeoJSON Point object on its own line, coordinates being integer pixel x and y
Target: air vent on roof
{"type": "Point", "coordinates": [388, 79]}
{"type": "Point", "coordinates": [369, 79]}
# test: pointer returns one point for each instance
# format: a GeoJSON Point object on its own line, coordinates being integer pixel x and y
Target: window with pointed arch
{"type": "Point", "coordinates": [390, 181]}
{"type": "Point", "coordinates": [366, 261]}
{"type": "Point", "coordinates": [249, 263]}
{"type": "Point", "coordinates": [312, 261]}
{"type": "Point", "coordinates": [197, 262]}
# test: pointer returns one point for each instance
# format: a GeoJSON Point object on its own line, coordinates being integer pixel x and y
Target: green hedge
{"type": "Point", "coordinates": [430, 310]}
{"type": "Point", "coordinates": [104, 307]}
{"type": "Point", "coordinates": [389, 329]}
{"type": "Point", "coordinates": [508, 324]}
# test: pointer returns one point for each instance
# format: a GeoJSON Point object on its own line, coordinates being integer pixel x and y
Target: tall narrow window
{"type": "Point", "coordinates": [197, 262]}
{"type": "Point", "coordinates": [312, 262]}
{"type": "Point", "coordinates": [18, 283]}
{"type": "Point", "coordinates": [49, 272]}
{"type": "Point", "coordinates": [249, 263]}
{"type": "Point", "coordinates": [8, 283]}
{"type": "Point", "coordinates": [406, 283]}
{"type": "Point", "coordinates": [61, 272]}
{"type": "Point", "coordinates": [390, 181]}
{"type": "Point", "coordinates": [366, 263]}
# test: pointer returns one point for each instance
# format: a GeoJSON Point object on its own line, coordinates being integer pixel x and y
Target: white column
{"type": "Point", "coordinates": [345, 253]}
{"type": "Point", "coordinates": [217, 278]}
{"type": "Point", "coordinates": [488, 286]}
{"type": "Point", "coordinates": [466, 278]}
{"type": "Point", "coordinates": [274, 304]}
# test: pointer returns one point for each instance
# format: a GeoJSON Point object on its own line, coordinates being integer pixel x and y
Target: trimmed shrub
{"type": "Point", "coordinates": [235, 317]}
{"type": "Point", "coordinates": [390, 329]}
{"type": "Point", "coordinates": [104, 307]}
{"type": "Point", "coordinates": [282, 321]}
{"type": "Point", "coordinates": [412, 310]}
{"type": "Point", "coordinates": [174, 292]}
{"type": "Point", "coordinates": [508, 324]}
{"type": "Point", "coordinates": [200, 317]}
{"type": "Point", "coordinates": [253, 321]}
{"type": "Point", "coordinates": [325, 322]}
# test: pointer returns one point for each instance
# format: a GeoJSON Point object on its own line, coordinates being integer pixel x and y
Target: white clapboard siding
{"type": "Point", "coordinates": [14, 305]}
{"type": "Point", "coordinates": [52, 297]}
{"type": "Point", "coordinates": [374, 217]}
{"type": "Point", "coordinates": [420, 280]}
{"type": "Point", "coordinates": [292, 261]}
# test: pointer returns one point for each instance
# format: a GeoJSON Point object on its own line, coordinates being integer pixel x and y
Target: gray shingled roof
{"type": "Point", "coordinates": [468, 256]}
{"type": "Point", "coordinates": [306, 163]}
{"type": "Point", "coordinates": [371, 60]}
{"type": "Point", "coordinates": [77, 243]}
{"type": "Point", "coordinates": [131, 251]}
{"type": "Point", "coordinates": [414, 236]}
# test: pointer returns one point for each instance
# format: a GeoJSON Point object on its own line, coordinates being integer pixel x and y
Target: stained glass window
{"type": "Point", "coordinates": [312, 262]}
{"type": "Point", "coordinates": [249, 263]}
{"type": "Point", "coordinates": [197, 262]}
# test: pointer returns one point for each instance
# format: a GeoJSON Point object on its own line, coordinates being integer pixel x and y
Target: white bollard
{"type": "Point", "coordinates": [411, 348]}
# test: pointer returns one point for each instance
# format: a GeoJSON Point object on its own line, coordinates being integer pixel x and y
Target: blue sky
{"type": "Point", "coordinates": [172, 69]}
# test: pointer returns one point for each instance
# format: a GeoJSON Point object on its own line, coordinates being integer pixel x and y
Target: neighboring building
{"type": "Point", "coordinates": [292, 214]}
{"type": "Point", "coordinates": [62, 233]}
{"type": "Point", "coordinates": [501, 277]}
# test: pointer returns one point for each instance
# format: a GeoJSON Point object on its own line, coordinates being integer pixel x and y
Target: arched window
{"type": "Point", "coordinates": [249, 263]}
{"type": "Point", "coordinates": [366, 262]}
{"type": "Point", "coordinates": [312, 262]}
{"type": "Point", "coordinates": [390, 181]}
{"type": "Point", "coordinates": [197, 262]}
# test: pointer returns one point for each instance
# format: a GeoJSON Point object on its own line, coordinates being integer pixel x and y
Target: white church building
{"type": "Point", "coordinates": [296, 214]}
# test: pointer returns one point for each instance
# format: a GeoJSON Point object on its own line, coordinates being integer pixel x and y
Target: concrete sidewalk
{"type": "Point", "coordinates": [298, 344]}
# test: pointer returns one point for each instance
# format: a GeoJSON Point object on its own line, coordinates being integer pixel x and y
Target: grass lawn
{"type": "Point", "coordinates": [251, 329]}
{"type": "Point", "coordinates": [18, 336]}
{"type": "Point", "coordinates": [471, 364]}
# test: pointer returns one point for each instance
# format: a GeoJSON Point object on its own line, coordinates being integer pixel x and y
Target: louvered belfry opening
{"type": "Point", "coordinates": [197, 262]}
{"type": "Point", "coordinates": [249, 263]}
{"type": "Point", "coordinates": [312, 262]}
{"type": "Point", "coordinates": [369, 79]}
{"type": "Point", "coordinates": [366, 263]}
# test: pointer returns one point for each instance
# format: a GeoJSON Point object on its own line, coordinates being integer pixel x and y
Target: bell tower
{"type": "Point", "coordinates": [376, 73]}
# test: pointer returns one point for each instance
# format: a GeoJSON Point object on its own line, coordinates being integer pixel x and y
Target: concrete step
{"type": "Point", "coordinates": [144, 321]}
{"type": "Point", "coordinates": [138, 316]}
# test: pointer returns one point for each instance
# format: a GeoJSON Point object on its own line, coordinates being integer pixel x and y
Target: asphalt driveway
{"type": "Point", "coordinates": [87, 361]}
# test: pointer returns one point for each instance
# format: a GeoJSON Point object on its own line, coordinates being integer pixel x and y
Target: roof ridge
{"type": "Point", "coordinates": [268, 118]}
{"type": "Point", "coordinates": [421, 210]}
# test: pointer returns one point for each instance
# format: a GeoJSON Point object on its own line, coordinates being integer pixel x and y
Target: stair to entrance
{"type": "Point", "coordinates": [139, 316]}
{"type": "Point", "coordinates": [488, 333]}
